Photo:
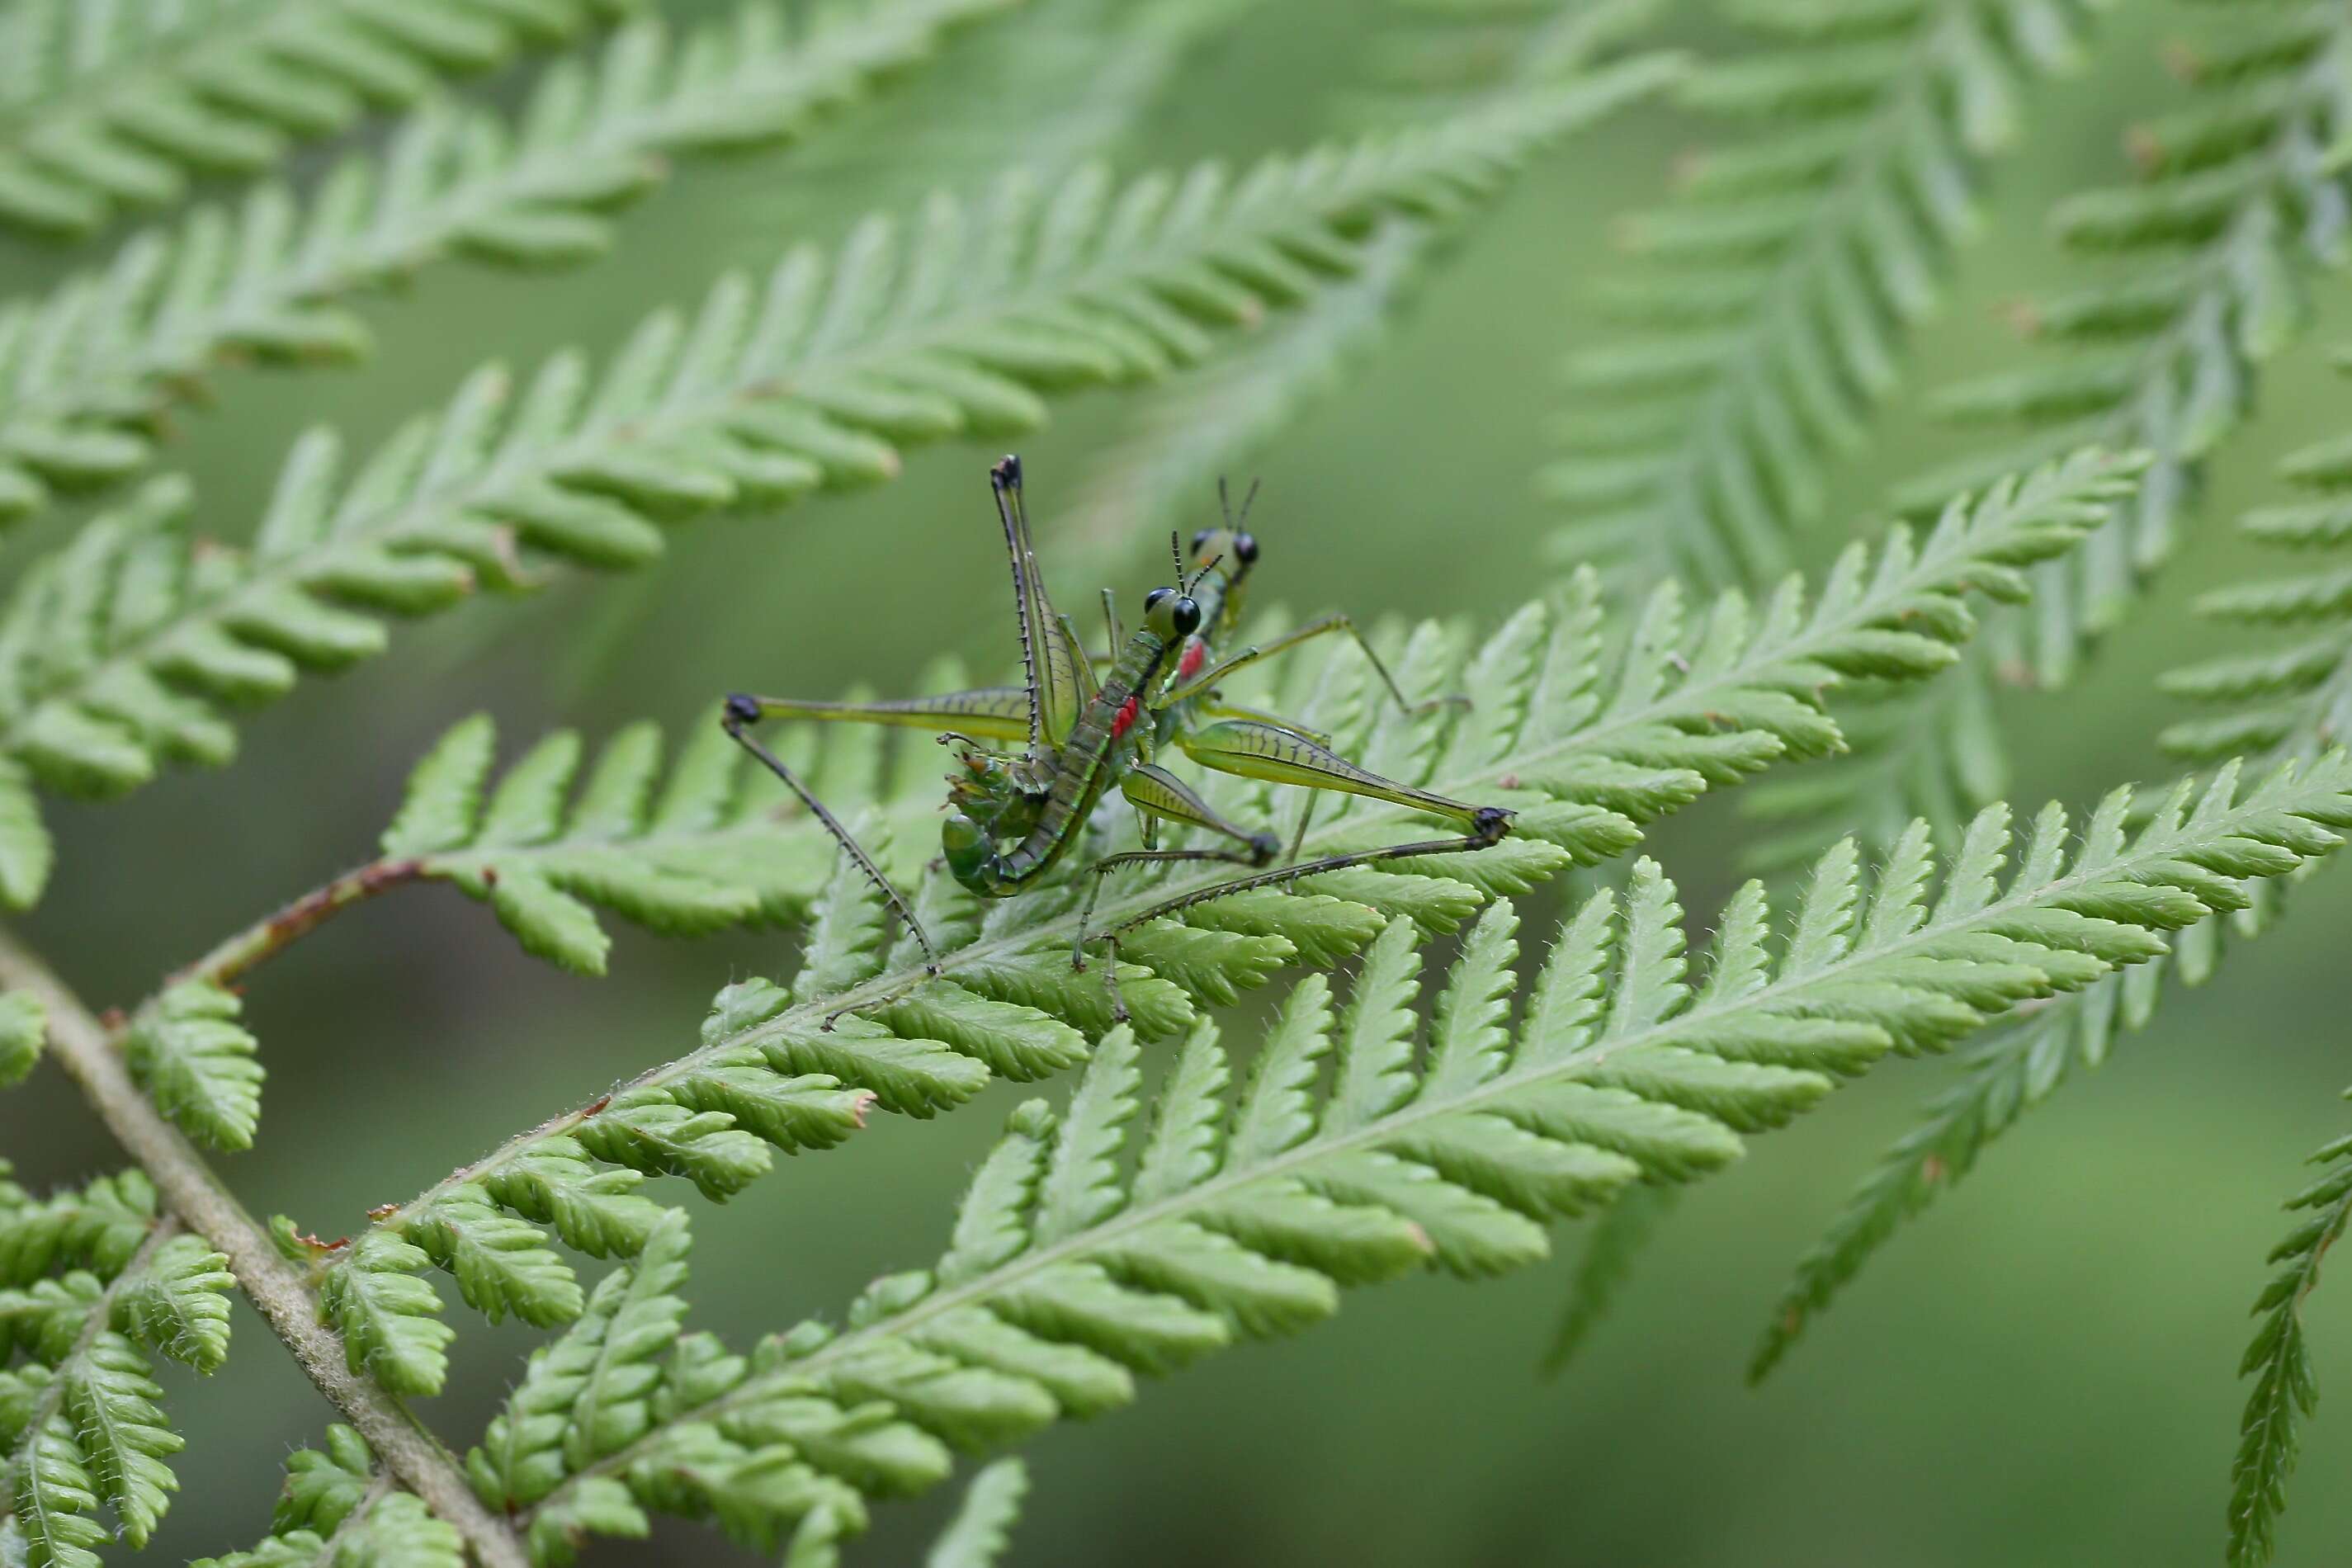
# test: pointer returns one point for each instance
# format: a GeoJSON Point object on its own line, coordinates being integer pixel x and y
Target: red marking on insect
{"type": "Point", "coordinates": [1125, 721]}
{"type": "Point", "coordinates": [1196, 654]}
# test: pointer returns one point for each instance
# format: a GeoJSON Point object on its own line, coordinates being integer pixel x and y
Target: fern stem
{"type": "Point", "coordinates": [53, 1394]}
{"type": "Point", "coordinates": [192, 1192]}
{"type": "Point", "coordinates": [267, 938]}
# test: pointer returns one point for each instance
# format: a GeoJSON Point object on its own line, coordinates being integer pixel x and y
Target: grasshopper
{"type": "Point", "coordinates": [1014, 814]}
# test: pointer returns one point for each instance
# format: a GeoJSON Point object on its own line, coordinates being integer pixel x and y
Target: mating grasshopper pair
{"type": "Point", "coordinates": [1014, 814]}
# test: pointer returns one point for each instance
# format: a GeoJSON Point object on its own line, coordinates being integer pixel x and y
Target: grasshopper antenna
{"type": "Point", "coordinates": [1206, 567]}
{"type": "Point", "coordinates": [1176, 553]}
{"type": "Point", "coordinates": [736, 716]}
{"type": "Point", "coordinates": [1226, 505]}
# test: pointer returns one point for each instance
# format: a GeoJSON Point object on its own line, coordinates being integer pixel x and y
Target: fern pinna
{"type": "Point", "coordinates": [1590, 748]}
{"type": "Point", "coordinates": [105, 107]}
{"type": "Point", "coordinates": [131, 642]}
{"type": "Point", "coordinates": [2272, 705]}
{"type": "Point", "coordinates": [89, 373]}
{"type": "Point", "coordinates": [2285, 1388]}
{"type": "Point", "coordinates": [2280, 704]}
{"type": "Point", "coordinates": [2195, 279]}
{"type": "Point", "coordinates": [1769, 315]}
{"type": "Point", "coordinates": [92, 1283]}
{"type": "Point", "coordinates": [1355, 1151]}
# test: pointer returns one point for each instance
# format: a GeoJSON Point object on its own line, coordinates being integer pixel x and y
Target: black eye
{"type": "Point", "coordinates": [1188, 617]}
{"type": "Point", "coordinates": [1244, 548]}
{"type": "Point", "coordinates": [1151, 600]}
{"type": "Point", "coordinates": [1199, 540]}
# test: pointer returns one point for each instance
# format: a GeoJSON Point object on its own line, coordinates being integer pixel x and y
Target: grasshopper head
{"type": "Point", "coordinates": [1171, 615]}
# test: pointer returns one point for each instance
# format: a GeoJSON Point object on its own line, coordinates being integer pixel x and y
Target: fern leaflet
{"type": "Point", "coordinates": [117, 651]}
{"type": "Point", "coordinates": [106, 106]}
{"type": "Point", "coordinates": [337, 1508]}
{"type": "Point", "coordinates": [1776, 294]}
{"type": "Point", "coordinates": [2284, 704]}
{"type": "Point", "coordinates": [1589, 757]}
{"type": "Point", "coordinates": [1066, 1276]}
{"type": "Point", "coordinates": [92, 1278]}
{"type": "Point", "coordinates": [88, 374]}
{"type": "Point", "coordinates": [2285, 1386]}
{"type": "Point", "coordinates": [2241, 199]}
{"type": "Point", "coordinates": [1618, 1236]}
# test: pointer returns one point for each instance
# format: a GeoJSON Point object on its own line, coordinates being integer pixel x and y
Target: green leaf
{"type": "Point", "coordinates": [2287, 1387]}
{"type": "Point", "coordinates": [1117, 286]}
{"type": "Point", "coordinates": [501, 1265]}
{"type": "Point", "coordinates": [334, 1496]}
{"type": "Point", "coordinates": [389, 1318]}
{"type": "Point", "coordinates": [24, 1030]}
{"type": "Point", "coordinates": [2214, 231]}
{"type": "Point", "coordinates": [1774, 298]}
{"type": "Point", "coordinates": [982, 1530]}
{"type": "Point", "coordinates": [1244, 1219]}
{"type": "Point", "coordinates": [111, 110]}
{"type": "Point", "coordinates": [100, 360]}
{"type": "Point", "coordinates": [445, 792]}
{"type": "Point", "coordinates": [178, 1305]}
{"type": "Point", "coordinates": [1616, 1241]}
{"type": "Point", "coordinates": [189, 1050]}
{"type": "Point", "coordinates": [863, 1026]}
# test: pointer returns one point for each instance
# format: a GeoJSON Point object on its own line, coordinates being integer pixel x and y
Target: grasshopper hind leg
{"type": "Point", "coordinates": [1489, 826]}
{"type": "Point", "coordinates": [737, 715]}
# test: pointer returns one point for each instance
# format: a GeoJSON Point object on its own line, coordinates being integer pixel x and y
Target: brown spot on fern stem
{"type": "Point", "coordinates": [267, 938]}
{"type": "Point", "coordinates": [194, 1195]}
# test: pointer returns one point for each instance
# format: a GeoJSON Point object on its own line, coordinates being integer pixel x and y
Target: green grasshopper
{"type": "Point", "coordinates": [1014, 814]}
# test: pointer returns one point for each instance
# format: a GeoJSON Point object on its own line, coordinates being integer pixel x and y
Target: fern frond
{"type": "Point", "coordinates": [2286, 1388]}
{"type": "Point", "coordinates": [79, 1406]}
{"type": "Point", "coordinates": [1776, 294]}
{"type": "Point", "coordinates": [87, 372]}
{"type": "Point", "coordinates": [337, 1508]}
{"type": "Point", "coordinates": [1211, 420]}
{"type": "Point", "coordinates": [1585, 750]}
{"type": "Point", "coordinates": [117, 652]}
{"type": "Point", "coordinates": [2237, 202]}
{"type": "Point", "coordinates": [2240, 200]}
{"type": "Point", "coordinates": [2281, 703]}
{"type": "Point", "coordinates": [108, 107]}
{"type": "Point", "coordinates": [1065, 1276]}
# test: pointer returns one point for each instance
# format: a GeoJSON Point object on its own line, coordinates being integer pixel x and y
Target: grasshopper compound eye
{"type": "Point", "coordinates": [1245, 549]}
{"type": "Point", "coordinates": [1200, 542]}
{"type": "Point", "coordinates": [1151, 600]}
{"type": "Point", "coordinates": [1187, 616]}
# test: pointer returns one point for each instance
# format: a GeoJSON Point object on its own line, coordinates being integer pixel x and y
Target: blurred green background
{"type": "Point", "coordinates": [2042, 1371]}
